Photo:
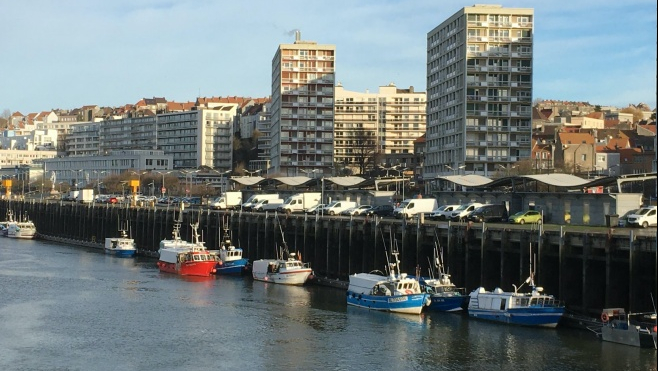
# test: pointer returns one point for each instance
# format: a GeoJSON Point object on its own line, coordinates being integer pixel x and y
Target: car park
{"type": "Point", "coordinates": [443, 212]}
{"type": "Point", "coordinates": [623, 220]}
{"type": "Point", "coordinates": [381, 210]}
{"type": "Point", "coordinates": [528, 216]}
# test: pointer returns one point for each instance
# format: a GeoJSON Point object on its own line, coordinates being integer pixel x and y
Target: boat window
{"type": "Point", "coordinates": [196, 257]}
{"type": "Point", "coordinates": [502, 304]}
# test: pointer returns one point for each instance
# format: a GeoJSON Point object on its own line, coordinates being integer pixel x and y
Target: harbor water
{"type": "Point", "coordinates": [73, 308]}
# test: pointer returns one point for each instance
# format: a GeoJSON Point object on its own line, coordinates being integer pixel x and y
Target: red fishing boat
{"type": "Point", "coordinates": [186, 259]}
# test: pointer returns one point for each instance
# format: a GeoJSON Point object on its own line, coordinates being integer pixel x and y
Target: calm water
{"type": "Point", "coordinates": [71, 308]}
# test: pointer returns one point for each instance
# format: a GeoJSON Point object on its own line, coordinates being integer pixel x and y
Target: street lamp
{"type": "Point", "coordinates": [189, 184]}
{"type": "Point", "coordinates": [152, 185]}
{"type": "Point", "coordinates": [99, 187]}
{"type": "Point", "coordinates": [123, 190]}
{"type": "Point", "coordinates": [163, 189]}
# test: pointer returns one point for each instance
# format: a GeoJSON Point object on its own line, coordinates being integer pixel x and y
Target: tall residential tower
{"type": "Point", "coordinates": [302, 130]}
{"type": "Point", "coordinates": [479, 91]}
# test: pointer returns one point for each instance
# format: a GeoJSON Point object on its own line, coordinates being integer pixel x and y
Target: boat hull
{"type": "Point", "coordinates": [121, 253]}
{"type": "Point", "coordinates": [22, 236]}
{"type": "Point", "coordinates": [622, 334]}
{"type": "Point", "coordinates": [406, 304]}
{"type": "Point", "coordinates": [537, 317]}
{"type": "Point", "coordinates": [453, 303]}
{"type": "Point", "coordinates": [236, 267]}
{"type": "Point", "coordinates": [295, 278]}
{"type": "Point", "coordinates": [195, 268]}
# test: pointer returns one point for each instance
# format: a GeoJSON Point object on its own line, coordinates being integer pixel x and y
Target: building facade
{"type": "Point", "coordinates": [479, 90]}
{"type": "Point", "coordinates": [194, 138]}
{"type": "Point", "coordinates": [372, 129]}
{"type": "Point", "coordinates": [302, 108]}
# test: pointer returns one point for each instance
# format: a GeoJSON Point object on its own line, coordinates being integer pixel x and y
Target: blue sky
{"type": "Point", "coordinates": [70, 53]}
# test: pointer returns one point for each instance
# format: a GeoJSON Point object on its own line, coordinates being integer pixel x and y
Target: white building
{"type": "Point", "coordinates": [479, 90]}
{"type": "Point", "coordinates": [302, 108]}
{"type": "Point", "coordinates": [377, 128]}
{"type": "Point", "coordinates": [79, 171]}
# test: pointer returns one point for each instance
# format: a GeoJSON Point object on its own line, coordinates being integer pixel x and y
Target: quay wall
{"type": "Point", "coordinates": [588, 268]}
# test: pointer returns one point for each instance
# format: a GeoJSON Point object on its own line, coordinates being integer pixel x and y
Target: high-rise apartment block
{"type": "Point", "coordinates": [479, 90]}
{"type": "Point", "coordinates": [377, 128]}
{"type": "Point", "coordinates": [302, 108]}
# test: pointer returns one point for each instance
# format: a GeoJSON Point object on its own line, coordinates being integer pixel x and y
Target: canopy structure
{"type": "Point", "coordinates": [469, 180]}
{"type": "Point", "coordinates": [248, 180]}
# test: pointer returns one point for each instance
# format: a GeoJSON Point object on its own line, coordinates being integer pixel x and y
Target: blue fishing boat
{"type": "Point", "coordinates": [230, 257]}
{"type": "Point", "coordinates": [528, 309]}
{"type": "Point", "coordinates": [396, 292]}
{"type": "Point", "coordinates": [445, 296]}
{"type": "Point", "coordinates": [122, 246]}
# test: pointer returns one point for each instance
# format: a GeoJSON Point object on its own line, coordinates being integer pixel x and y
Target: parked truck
{"type": "Point", "coordinates": [299, 202]}
{"type": "Point", "coordinates": [86, 196]}
{"type": "Point", "coordinates": [229, 200]}
{"type": "Point", "coordinates": [415, 206]}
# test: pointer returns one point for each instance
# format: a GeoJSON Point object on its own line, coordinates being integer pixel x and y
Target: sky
{"type": "Point", "coordinates": [70, 53]}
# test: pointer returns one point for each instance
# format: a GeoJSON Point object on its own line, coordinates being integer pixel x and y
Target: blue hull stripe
{"type": "Point", "coordinates": [401, 303]}
{"type": "Point", "coordinates": [447, 304]}
{"type": "Point", "coordinates": [548, 317]}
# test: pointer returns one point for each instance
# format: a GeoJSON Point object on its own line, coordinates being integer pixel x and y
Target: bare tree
{"type": "Point", "coordinates": [364, 149]}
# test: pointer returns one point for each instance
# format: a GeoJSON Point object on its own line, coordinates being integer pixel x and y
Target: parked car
{"type": "Point", "coordinates": [528, 216]}
{"type": "Point", "coordinates": [381, 210]}
{"type": "Point", "coordinates": [443, 212]}
{"type": "Point", "coordinates": [489, 214]}
{"type": "Point", "coordinates": [354, 211]}
{"type": "Point", "coordinates": [111, 200]}
{"type": "Point", "coordinates": [315, 209]}
{"type": "Point", "coordinates": [645, 217]}
{"type": "Point", "coordinates": [623, 220]}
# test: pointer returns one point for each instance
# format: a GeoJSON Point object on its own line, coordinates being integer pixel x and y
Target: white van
{"type": "Point", "coordinates": [415, 206]}
{"type": "Point", "coordinates": [267, 204]}
{"type": "Point", "coordinates": [645, 217]}
{"type": "Point", "coordinates": [336, 207]}
{"type": "Point", "coordinates": [253, 200]}
{"type": "Point", "coordinates": [463, 210]}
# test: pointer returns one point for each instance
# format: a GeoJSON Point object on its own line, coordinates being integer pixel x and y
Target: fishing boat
{"type": "Point", "coordinates": [23, 228]}
{"type": "Point", "coordinates": [230, 257]}
{"type": "Point", "coordinates": [445, 296]}
{"type": "Point", "coordinates": [186, 258]}
{"type": "Point", "coordinates": [286, 269]}
{"type": "Point", "coordinates": [395, 293]}
{"type": "Point", "coordinates": [528, 309]}
{"type": "Point", "coordinates": [4, 225]}
{"type": "Point", "coordinates": [634, 329]}
{"type": "Point", "coordinates": [122, 246]}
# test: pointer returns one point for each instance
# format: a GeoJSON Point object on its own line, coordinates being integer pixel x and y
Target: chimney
{"type": "Point", "coordinates": [298, 35]}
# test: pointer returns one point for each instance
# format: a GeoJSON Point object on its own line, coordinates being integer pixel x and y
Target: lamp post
{"type": "Point", "coordinates": [163, 188]}
{"type": "Point", "coordinates": [188, 188]}
{"type": "Point", "coordinates": [98, 178]}
{"type": "Point", "coordinates": [99, 187]}
{"type": "Point", "coordinates": [78, 181]}
{"type": "Point", "coordinates": [123, 191]}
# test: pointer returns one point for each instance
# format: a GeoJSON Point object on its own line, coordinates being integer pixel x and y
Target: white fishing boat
{"type": "Point", "coordinates": [286, 269]}
{"type": "Point", "coordinates": [4, 225]}
{"type": "Point", "coordinates": [122, 246]}
{"type": "Point", "coordinates": [23, 228]}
